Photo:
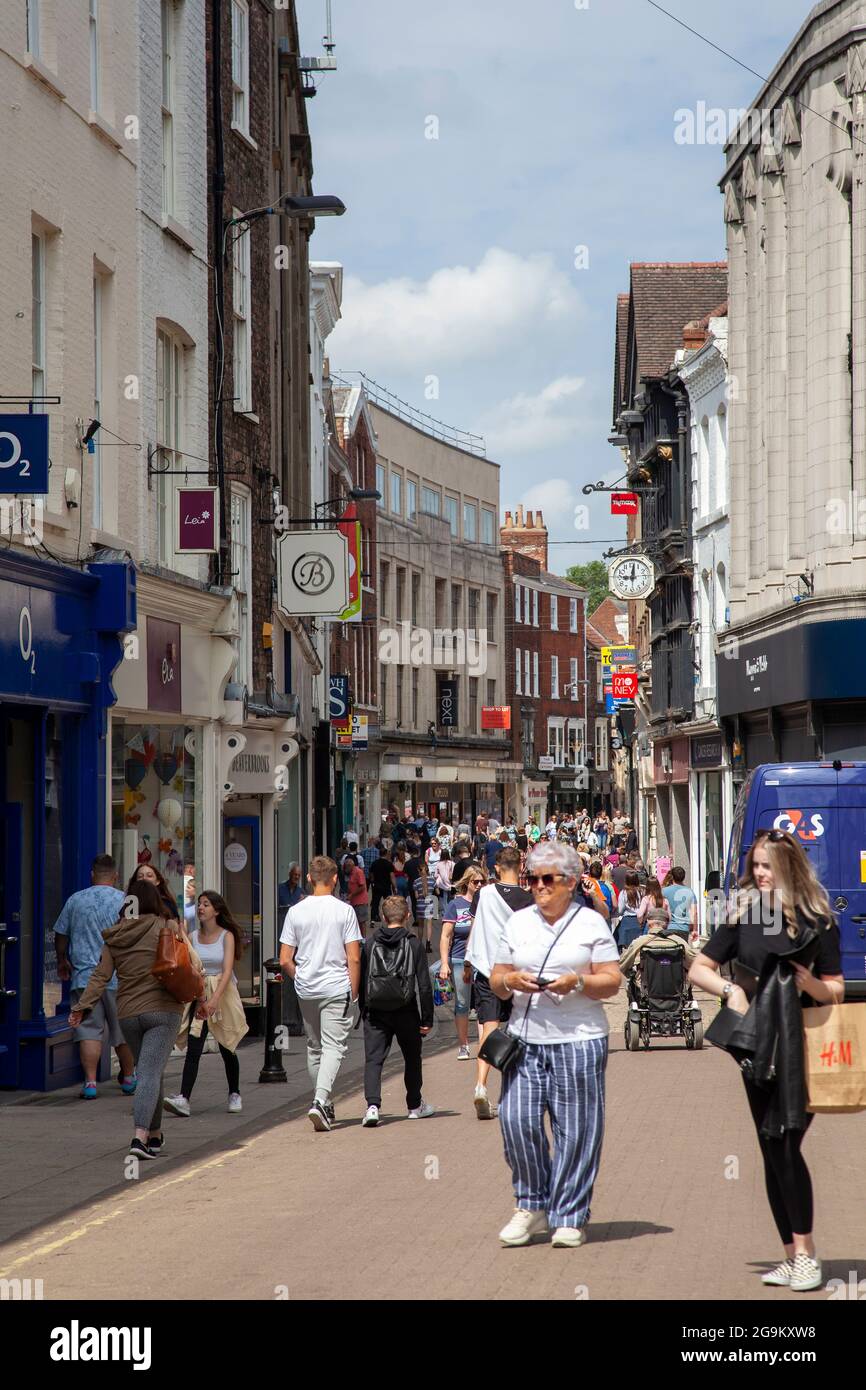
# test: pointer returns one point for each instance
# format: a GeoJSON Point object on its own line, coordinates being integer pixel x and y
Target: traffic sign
{"type": "Point", "coordinates": [24, 454]}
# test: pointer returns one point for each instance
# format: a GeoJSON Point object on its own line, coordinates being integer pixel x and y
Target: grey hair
{"type": "Point", "coordinates": [554, 855]}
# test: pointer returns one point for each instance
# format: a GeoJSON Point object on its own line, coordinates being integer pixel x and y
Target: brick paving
{"type": "Point", "coordinates": [416, 1206]}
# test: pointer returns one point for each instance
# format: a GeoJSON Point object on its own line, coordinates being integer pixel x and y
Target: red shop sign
{"type": "Point", "coordinates": [624, 685]}
{"type": "Point", "coordinates": [623, 504]}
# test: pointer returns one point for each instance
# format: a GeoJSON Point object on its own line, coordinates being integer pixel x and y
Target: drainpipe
{"type": "Point", "coordinates": [218, 191]}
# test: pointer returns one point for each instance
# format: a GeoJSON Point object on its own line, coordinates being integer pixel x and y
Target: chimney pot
{"type": "Point", "coordinates": [539, 520]}
{"type": "Point", "coordinates": [529, 520]}
{"type": "Point", "coordinates": [519, 515]}
{"type": "Point", "coordinates": [507, 521]}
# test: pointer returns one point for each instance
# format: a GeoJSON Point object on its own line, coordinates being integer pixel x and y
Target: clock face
{"type": "Point", "coordinates": [632, 577]}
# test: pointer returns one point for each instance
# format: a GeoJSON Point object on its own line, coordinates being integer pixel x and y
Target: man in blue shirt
{"type": "Point", "coordinates": [78, 940]}
{"type": "Point", "coordinates": [683, 905]}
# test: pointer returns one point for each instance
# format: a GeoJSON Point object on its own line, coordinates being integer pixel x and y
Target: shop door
{"type": "Point", "coordinates": [242, 889]}
{"type": "Point", "coordinates": [11, 854]}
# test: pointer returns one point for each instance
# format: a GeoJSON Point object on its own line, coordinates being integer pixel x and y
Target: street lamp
{"type": "Point", "coordinates": [291, 205]}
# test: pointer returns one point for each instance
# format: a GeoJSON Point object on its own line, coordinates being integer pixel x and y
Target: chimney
{"type": "Point", "coordinates": [519, 516]}
{"type": "Point", "coordinates": [694, 335]}
{"type": "Point", "coordinates": [507, 526]}
{"type": "Point", "coordinates": [529, 521]}
{"type": "Point", "coordinates": [526, 533]}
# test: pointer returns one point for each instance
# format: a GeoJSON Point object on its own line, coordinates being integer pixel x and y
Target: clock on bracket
{"type": "Point", "coordinates": [632, 576]}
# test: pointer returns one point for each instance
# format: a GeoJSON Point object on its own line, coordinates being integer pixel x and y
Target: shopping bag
{"type": "Point", "coordinates": [835, 1043]}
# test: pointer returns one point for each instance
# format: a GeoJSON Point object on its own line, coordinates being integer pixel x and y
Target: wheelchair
{"type": "Point", "coordinates": [660, 1002]}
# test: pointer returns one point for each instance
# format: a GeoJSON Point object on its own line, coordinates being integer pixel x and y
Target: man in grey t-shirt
{"type": "Point", "coordinates": [320, 949]}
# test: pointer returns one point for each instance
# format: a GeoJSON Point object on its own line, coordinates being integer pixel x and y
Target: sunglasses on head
{"type": "Point", "coordinates": [547, 879]}
{"type": "Point", "coordinates": [775, 836]}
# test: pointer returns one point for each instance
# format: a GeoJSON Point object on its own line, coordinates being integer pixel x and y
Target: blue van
{"type": "Point", "coordinates": [824, 806]}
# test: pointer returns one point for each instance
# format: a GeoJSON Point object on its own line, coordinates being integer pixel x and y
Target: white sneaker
{"type": "Point", "coordinates": [525, 1227]}
{"type": "Point", "coordinates": [235, 1105]}
{"type": "Point", "coordinates": [483, 1108]}
{"type": "Point", "coordinates": [463, 1054]}
{"type": "Point", "coordinates": [780, 1277]}
{"type": "Point", "coordinates": [568, 1236]}
{"type": "Point", "coordinates": [805, 1274]}
{"type": "Point", "coordinates": [178, 1105]}
{"type": "Point", "coordinates": [422, 1111]}
{"type": "Point", "coordinates": [372, 1117]}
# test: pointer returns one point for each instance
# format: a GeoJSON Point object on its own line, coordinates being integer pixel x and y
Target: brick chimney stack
{"type": "Point", "coordinates": [525, 534]}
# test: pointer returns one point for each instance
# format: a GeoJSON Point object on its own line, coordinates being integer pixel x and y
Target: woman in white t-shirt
{"type": "Point", "coordinates": [558, 961]}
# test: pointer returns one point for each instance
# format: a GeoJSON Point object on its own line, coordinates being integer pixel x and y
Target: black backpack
{"type": "Point", "coordinates": [390, 975]}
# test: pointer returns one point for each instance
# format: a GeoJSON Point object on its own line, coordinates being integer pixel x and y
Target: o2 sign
{"type": "Point", "coordinates": [24, 454]}
{"type": "Point", "coordinates": [25, 639]}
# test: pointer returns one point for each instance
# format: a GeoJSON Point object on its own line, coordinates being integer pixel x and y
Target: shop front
{"type": "Point", "coordinates": [535, 802]}
{"type": "Point", "coordinates": [671, 776]}
{"type": "Point", "coordinates": [451, 792]}
{"type": "Point", "coordinates": [61, 639]}
{"type": "Point", "coordinates": [711, 798]}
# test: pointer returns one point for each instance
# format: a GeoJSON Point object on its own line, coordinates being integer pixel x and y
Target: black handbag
{"type": "Point", "coordinates": [502, 1049]}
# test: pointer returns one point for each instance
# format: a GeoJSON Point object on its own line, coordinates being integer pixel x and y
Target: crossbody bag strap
{"type": "Point", "coordinates": [563, 928]}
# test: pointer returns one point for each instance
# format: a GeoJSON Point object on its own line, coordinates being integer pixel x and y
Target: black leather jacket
{"type": "Point", "coordinates": [772, 1037]}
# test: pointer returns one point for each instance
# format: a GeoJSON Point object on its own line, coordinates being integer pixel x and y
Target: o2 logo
{"type": "Point", "coordinates": [25, 639]}
{"type": "Point", "coordinates": [795, 823]}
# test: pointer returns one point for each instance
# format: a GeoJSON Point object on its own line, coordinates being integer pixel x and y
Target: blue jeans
{"type": "Point", "coordinates": [462, 989]}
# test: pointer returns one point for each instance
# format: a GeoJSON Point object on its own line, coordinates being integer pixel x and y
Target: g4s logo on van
{"type": "Point", "coordinates": [795, 823]}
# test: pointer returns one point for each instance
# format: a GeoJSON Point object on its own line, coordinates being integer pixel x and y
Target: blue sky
{"type": "Point", "coordinates": [555, 130]}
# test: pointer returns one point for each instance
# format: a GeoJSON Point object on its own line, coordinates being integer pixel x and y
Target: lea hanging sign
{"type": "Point", "coordinates": [196, 521]}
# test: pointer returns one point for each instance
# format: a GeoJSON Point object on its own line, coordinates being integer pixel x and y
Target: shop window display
{"type": "Point", "coordinates": [155, 791]}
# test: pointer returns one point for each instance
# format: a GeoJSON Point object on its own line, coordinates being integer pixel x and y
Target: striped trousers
{"type": "Point", "coordinates": [567, 1080]}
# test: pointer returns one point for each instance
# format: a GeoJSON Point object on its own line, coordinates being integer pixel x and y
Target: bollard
{"type": "Point", "coordinates": [273, 1069]}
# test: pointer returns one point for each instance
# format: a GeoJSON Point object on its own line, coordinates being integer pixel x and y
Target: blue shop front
{"type": "Point", "coordinates": [61, 638]}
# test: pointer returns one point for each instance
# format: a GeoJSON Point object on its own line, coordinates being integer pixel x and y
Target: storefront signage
{"type": "Point", "coordinates": [163, 666]}
{"type": "Point", "coordinates": [623, 504]}
{"type": "Point", "coordinates": [624, 685]}
{"type": "Point", "coordinates": [351, 529]}
{"type": "Point", "coordinates": [312, 573]}
{"type": "Point", "coordinates": [619, 656]}
{"type": "Point", "coordinates": [359, 731]}
{"type": "Point", "coordinates": [253, 771]}
{"type": "Point", "coordinates": [197, 521]}
{"type": "Point", "coordinates": [706, 751]}
{"type": "Point", "coordinates": [234, 857]}
{"type": "Point", "coordinates": [496, 717]}
{"type": "Point", "coordinates": [447, 705]}
{"type": "Point", "coordinates": [338, 700]}
{"type": "Point", "coordinates": [814, 661]}
{"type": "Point", "coordinates": [24, 454]}
{"type": "Point", "coordinates": [546, 763]}
{"type": "Point", "coordinates": [537, 794]}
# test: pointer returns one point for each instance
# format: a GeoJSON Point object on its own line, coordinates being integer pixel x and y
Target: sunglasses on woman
{"type": "Point", "coordinates": [775, 836]}
{"type": "Point", "coordinates": [547, 879]}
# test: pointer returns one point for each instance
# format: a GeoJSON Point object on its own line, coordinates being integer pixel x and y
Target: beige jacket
{"type": "Point", "coordinates": [653, 941]}
{"type": "Point", "coordinates": [228, 1025]}
{"type": "Point", "coordinates": [130, 949]}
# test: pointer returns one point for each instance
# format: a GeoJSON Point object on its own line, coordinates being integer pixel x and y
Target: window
{"type": "Point", "coordinates": [535, 673]}
{"type": "Point", "coordinates": [400, 598]}
{"type": "Point", "coordinates": [473, 704]}
{"type": "Point", "coordinates": [241, 311]}
{"type": "Point", "coordinates": [534, 608]}
{"type": "Point", "coordinates": [599, 681]}
{"type": "Point", "coordinates": [384, 571]}
{"type": "Point", "coordinates": [94, 55]}
{"type": "Point", "coordinates": [33, 38]}
{"type": "Point", "coordinates": [383, 693]}
{"type": "Point", "coordinates": [456, 597]}
{"type": "Point", "coordinates": [414, 697]}
{"type": "Point", "coordinates": [601, 745]}
{"type": "Point", "coordinates": [554, 678]}
{"type": "Point", "coordinates": [572, 615]}
{"type": "Point", "coordinates": [518, 603]}
{"type": "Point", "coordinates": [380, 484]}
{"type": "Point", "coordinates": [416, 597]}
{"type": "Point", "coordinates": [527, 739]}
{"type": "Point", "coordinates": [556, 741]}
{"type": "Point", "coordinates": [721, 497]}
{"type": "Point", "coordinates": [526, 689]}
{"type": "Point", "coordinates": [431, 501]}
{"type": "Point", "coordinates": [575, 738]}
{"type": "Point", "coordinates": [411, 499]}
{"type": "Point", "coordinates": [526, 594]}
{"type": "Point", "coordinates": [240, 66]}
{"type": "Point", "coordinates": [491, 617]}
{"type": "Point", "coordinates": [399, 709]}
{"type": "Point", "coordinates": [451, 507]}
{"type": "Point", "coordinates": [470, 521]}
{"type": "Point", "coordinates": [488, 527]}
{"type": "Point", "coordinates": [37, 377]}
{"type": "Point", "coordinates": [396, 494]}
{"type": "Point", "coordinates": [168, 172]}
{"type": "Point", "coordinates": [97, 398]}
{"type": "Point", "coordinates": [518, 687]}
{"type": "Point", "coordinates": [169, 435]}
{"type": "Point", "coordinates": [572, 676]}
{"type": "Point", "coordinates": [474, 604]}
{"type": "Point", "coordinates": [554, 613]}
{"type": "Point", "coordinates": [242, 581]}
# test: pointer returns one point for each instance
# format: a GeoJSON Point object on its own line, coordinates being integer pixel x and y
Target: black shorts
{"type": "Point", "coordinates": [488, 1006]}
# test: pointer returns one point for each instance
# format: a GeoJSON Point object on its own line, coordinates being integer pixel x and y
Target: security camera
{"type": "Point", "coordinates": [228, 788]}
{"type": "Point", "coordinates": [285, 747]}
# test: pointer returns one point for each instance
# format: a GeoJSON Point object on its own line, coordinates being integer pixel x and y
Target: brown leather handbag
{"type": "Point", "coordinates": [174, 968]}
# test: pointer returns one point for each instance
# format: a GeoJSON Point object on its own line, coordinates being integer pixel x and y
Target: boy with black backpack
{"type": "Point", "coordinates": [393, 972]}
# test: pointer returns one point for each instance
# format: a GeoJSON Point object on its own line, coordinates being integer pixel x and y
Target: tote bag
{"type": "Point", "coordinates": [835, 1044]}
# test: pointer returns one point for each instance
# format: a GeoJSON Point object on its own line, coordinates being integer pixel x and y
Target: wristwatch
{"type": "Point", "coordinates": [579, 987]}
{"type": "Point", "coordinates": [727, 989]}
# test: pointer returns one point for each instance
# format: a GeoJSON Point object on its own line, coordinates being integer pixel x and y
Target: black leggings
{"type": "Point", "coordinates": [789, 1187]}
{"type": "Point", "coordinates": [194, 1049]}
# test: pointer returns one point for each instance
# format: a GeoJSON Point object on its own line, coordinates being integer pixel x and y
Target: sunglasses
{"type": "Point", "coordinates": [775, 836]}
{"type": "Point", "coordinates": [547, 879]}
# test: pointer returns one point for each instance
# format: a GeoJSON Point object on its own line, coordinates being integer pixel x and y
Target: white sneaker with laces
{"type": "Point", "coordinates": [235, 1105]}
{"type": "Point", "coordinates": [780, 1277]}
{"type": "Point", "coordinates": [805, 1274]}
{"type": "Point", "coordinates": [568, 1236]}
{"type": "Point", "coordinates": [525, 1227]}
{"type": "Point", "coordinates": [178, 1105]}
{"type": "Point", "coordinates": [483, 1108]}
{"type": "Point", "coordinates": [422, 1111]}
{"type": "Point", "coordinates": [371, 1118]}
{"type": "Point", "coordinates": [463, 1053]}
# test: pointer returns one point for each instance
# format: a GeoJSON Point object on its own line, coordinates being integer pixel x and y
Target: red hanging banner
{"type": "Point", "coordinates": [623, 504]}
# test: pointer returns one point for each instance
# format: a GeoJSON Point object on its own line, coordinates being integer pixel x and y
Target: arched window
{"type": "Point", "coordinates": [721, 498]}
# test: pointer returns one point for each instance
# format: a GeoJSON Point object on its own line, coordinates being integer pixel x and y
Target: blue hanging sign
{"type": "Point", "coordinates": [24, 454]}
{"type": "Point", "coordinates": [339, 700]}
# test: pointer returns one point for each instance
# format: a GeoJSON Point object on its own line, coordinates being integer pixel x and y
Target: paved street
{"type": "Point", "coordinates": [417, 1206]}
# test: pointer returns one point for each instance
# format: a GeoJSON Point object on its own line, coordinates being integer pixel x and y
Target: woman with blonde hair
{"type": "Point", "coordinates": [456, 926]}
{"type": "Point", "coordinates": [781, 912]}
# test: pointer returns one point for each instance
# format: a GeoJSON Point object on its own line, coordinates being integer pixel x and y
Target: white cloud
{"type": "Point", "coordinates": [527, 423]}
{"type": "Point", "coordinates": [456, 315]}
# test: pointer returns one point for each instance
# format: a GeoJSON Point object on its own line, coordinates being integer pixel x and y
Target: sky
{"type": "Point", "coordinates": [502, 164]}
